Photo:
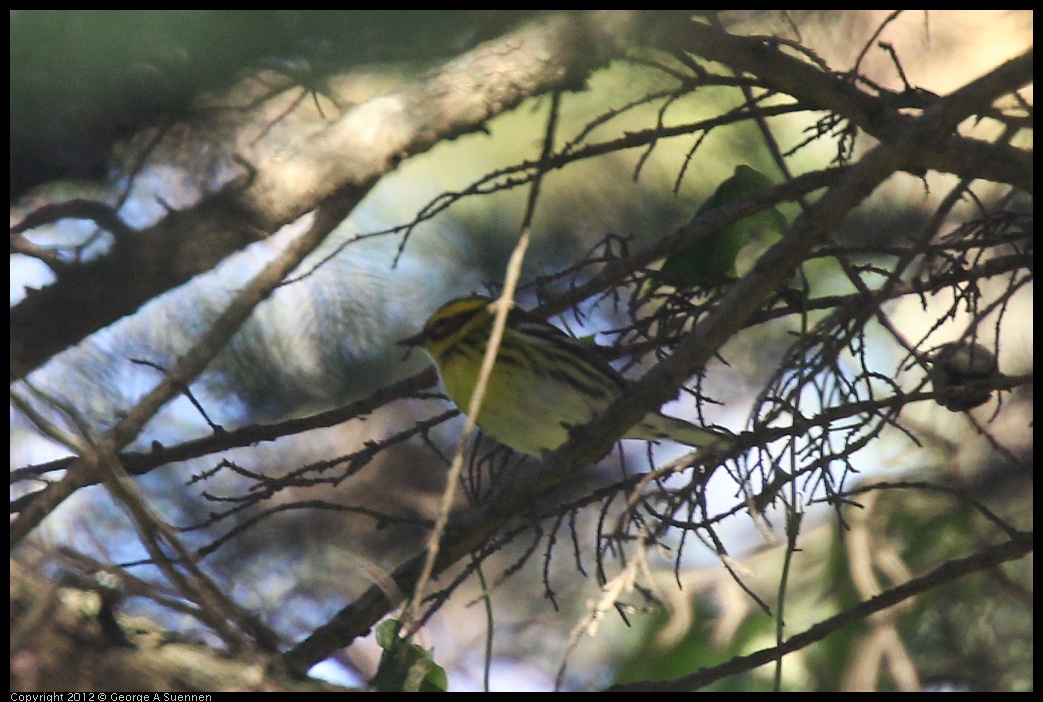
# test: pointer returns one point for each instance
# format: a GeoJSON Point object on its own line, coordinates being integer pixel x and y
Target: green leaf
{"type": "Point", "coordinates": [711, 260]}
{"type": "Point", "coordinates": [387, 633]}
{"type": "Point", "coordinates": [405, 666]}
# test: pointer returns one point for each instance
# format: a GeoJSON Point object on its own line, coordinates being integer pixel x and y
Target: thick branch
{"type": "Point", "coordinates": [189, 366]}
{"type": "Point", "coordinates": [587, 444]}
{"type": "Point", "coordinates": [351, 154]}
{"type": "Point", "coordinates": [968, 158]}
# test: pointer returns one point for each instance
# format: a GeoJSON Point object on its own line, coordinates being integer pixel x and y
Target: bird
{"type": "Point", "coordinates": [543, 383]}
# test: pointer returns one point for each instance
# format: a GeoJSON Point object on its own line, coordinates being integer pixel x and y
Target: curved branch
{"type": "Point", "coordinates": [348, 156]}
{"type": "Point", "coordinates": [988, 558]}
{"type": "Point", "coordinates": [879, 116]}
{"type": "Point", "coordinates": [588, 443]}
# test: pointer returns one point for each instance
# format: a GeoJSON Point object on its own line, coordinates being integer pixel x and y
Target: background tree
{"type": "Point", "coordinates": [219, 235]}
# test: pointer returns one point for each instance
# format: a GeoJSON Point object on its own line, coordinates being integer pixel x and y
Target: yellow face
{"type": "Point", "coordinates": [451, 323]}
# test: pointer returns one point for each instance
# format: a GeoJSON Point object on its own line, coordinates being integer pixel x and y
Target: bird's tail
{"type": "Point", "coordinates": [659, 426]}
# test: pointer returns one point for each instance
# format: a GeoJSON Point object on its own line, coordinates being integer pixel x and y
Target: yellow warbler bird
{"type": "Point", "coordinates": [543, 383]}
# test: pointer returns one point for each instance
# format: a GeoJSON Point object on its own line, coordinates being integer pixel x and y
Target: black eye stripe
{"type": "Point", "coordinates": [447, 326]}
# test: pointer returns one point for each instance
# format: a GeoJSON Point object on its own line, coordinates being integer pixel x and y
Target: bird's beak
{"type": "Point", "coordinates": [415, 340]}
{"type": "Point", "coordinates": [411, 342]}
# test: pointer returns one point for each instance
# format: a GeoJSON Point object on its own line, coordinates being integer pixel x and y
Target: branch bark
{"type": "Point", "coordinates": [988, 558]}
{"type": "Point", "coordinates": [529, 483]}
{"type": "Point", "coordinates": [349, 156]}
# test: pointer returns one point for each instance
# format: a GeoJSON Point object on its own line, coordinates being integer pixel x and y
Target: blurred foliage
{"type": "Point", "coordinates": [340, 512]}
{"type": "Point", "coordinates": [80, 80]}
{"type": "Point", "coordinates": [968, 635]}
{"type": "Point", "coordinates": [712, 260]}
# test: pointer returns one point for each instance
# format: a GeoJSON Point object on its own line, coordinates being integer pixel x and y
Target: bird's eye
{"type": "Point", "coordinates": [443, 328]}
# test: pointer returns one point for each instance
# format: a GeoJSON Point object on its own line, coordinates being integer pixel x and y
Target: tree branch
{"type": "Point", "coordinates": [351, 154]}
{"type": "Point", "coordinates": [986, 559]}
{"type": "Point", "coordinates": [528, 483]}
